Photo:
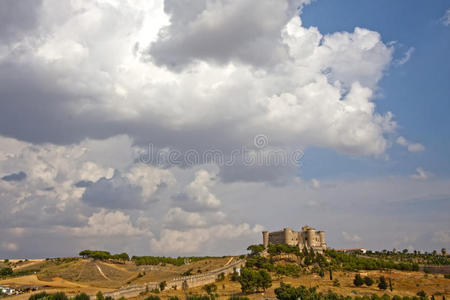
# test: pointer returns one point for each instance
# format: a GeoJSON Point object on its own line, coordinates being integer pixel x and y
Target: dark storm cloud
{"type": "Point", "coordinates": [17, 17]}
{"type": "Point", "coordinates": [83, 183]}
{"type": "Point", "coordinates": [114, 193]}
{"type": "Point", "coordinates": [15, 176]}
{"type": "Point", "coordinates": [222, 31]}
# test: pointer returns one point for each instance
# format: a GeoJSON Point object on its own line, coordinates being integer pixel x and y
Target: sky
{"type": "Point", "coordinates": [172, 127]}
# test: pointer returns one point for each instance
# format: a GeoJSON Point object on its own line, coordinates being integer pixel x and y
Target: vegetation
{"type": "Point", "coordinates": [156, 260]}
{"type": "Point", "coordinates": [287, 292]}
{"type": "Point", "coordinates": [354, 262]}
{"type": "Point", "coordinates": [358, 281]}
{"type": "Point", "coordinates": [382, 285]}
{"type": "Point", "coordinates": [104, 255]}
{"type": "Point", "coordinates": [415, 257]}
{"type": "Point", "coordinates": [252, 280]}
{"type": "Point", "coordinates": [210, 288]}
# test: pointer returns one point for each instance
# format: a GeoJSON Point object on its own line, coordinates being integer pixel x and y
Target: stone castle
{"type": "Point", "coordinates": [308, 237]}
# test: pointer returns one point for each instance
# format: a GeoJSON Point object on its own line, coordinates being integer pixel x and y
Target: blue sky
{"type": "Point", "coordinates": [417, 92]}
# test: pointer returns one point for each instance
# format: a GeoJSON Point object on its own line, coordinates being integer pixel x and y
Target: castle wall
{"type": "Point", "coordinates": [192, 281]}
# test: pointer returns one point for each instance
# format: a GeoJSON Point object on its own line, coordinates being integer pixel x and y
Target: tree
{"type": "Point", "coordinates": [368, 281]}
{"type": "Point", "coordinates": [358, 281]}
{"type": "Point", "coordinates": [100, 296]}
{"type": "Point", "coordinates": [247, 280]}
{"type": "Point", "coordinates": [443, 251]}
{"type": "Point", "coordinates": [390, 285]}
{"type": "Point", "coordinates": [6, 271]}
{"type": "Point", "coordinates": [422, 294]}
{"type": "Point", "coordinates": [255, 249]}
{"type": "Point", "coordinates": [210, 288]}
{"type": "Point", "coordinates": [184, 285]}
{"type": "Point", "coordinates": [264, 280]}
{"type": "Point", "coordinates": [382, 285]}
{"type": "Point", "coordinates": [59, 296]}
{"type": "Point", "coordinates": [331, 274]}
{"type": "Point", "coordinates": [81, 296]}
{"type": "Point", "coordinates": [162, 285]}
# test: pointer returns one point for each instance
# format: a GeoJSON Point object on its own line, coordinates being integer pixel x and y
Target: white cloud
{"type": "Point", "coordinates": [421, 174]}
{"type": "Point", "coordinates": [351, 238]}
{"type": "Point", "coordinates": [315, 184]}
{"type": "Point", "coordinates": [328, 80]}
{"type": "Point", "coordinates": [442, 237]}
{"type": "Point", "coordinates": [412, 147]}
{"type": "Point", "coordinates": [108, 223]}
{"type": "Point", "coordinates": [446, 18]}
{"type": "Point", "coordinates": [9, 246]}
{"type": "Point", "coordinates": [405, 58]}
{"type": "Point", "coordinates": [179, 218]}
{"type": "Point", "coordinates": [201, 239]}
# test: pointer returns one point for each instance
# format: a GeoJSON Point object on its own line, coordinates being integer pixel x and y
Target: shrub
{"type": "Point", "coordinates": [368, 281]}
{"type": "Point", "coordinates": [38, 296]}
{"type": "Point", "coordinates": [81, 296]}
{"type": "Point", "coordinates": [99, 296]}
{"type": "Point", "coordinates": [152, 297]}
{"type": "Point", "coordinates": [382, 285]}
{"type": "Point", "coordinates": [358, 281]}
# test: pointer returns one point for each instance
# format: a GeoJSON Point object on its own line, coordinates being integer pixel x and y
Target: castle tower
{"type": "Point", "coordinates": [265, 239]}
{"type": "Point", "coordinates": [310, 234]}
{"type": "Point", "coordinates": [322, 238]}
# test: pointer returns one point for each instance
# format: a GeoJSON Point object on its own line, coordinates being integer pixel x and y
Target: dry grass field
{"type": "Point", "coordinates": [404, 284]}
{"type": "Point", "coordinates": [85, 275]}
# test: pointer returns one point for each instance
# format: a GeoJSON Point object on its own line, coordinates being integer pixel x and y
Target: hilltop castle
{"type": "Point", "coordinates": [308, 237]}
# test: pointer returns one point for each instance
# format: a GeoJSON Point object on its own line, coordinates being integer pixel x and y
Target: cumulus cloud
{"type": "Point", "coordinates": [446, 18]}
{"type": "Point", "coordinates": [315, 184]}
{"type": "Point", "coordinates": [197, 196]}
{"type": "Point", "coordinates": [412, 147]}
{"type": "Point", "coordinates": [328, 80]}
{"type": "Point", "coordinates": [421, 174]}
{"type": "Point", "coordinates": [201, 239]}
{"type": "Point", "coordinates": [108, 223]}
{"type": "Point", "coordinates": [442, 236]}
{"type": "Point", "coordinates": [351, 237]}
{"type": "Point", "coordinates": [9, 246]}
{"type": "Point", "coordinates": [223, 31]}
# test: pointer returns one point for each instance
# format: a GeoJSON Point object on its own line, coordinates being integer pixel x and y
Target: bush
{"type": "Point", "coordinates": [38, 296]}
{"type": "Point", "coordinates": [447, 276]}
{"type": "Point", "coordinates": [81, 296]}
{"type": "Point", "coordinates": [58, 296]}
{"type": "Point", "coordinates": [99, 296]}
{"type": "Point", "coordinates": [422, 294]}
{"type": "Point", "coordinates": [358, 281]}
{"type": "Point", "coordinates": [210, 288]}
{"type": "Point", "coordinates": [382, 285]}
{"type": "Point", "coordinates": [6, 271]}
{"type": "Point", "coordinates": [368, 281]}
{"type": "Point", "coordinates": [152, 297]}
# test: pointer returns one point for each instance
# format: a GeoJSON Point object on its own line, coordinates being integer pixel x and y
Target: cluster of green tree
{"type": "Point", "coordinates": [6, 271]}
{"type": "Point", "coordinates": [253, 280]}
{"type": "Point", "coordinates": [288, 292]}
{"type": "Point", "coordinates": [62, 296]}
{"type": "Point", "coordinates": [103, 255]}
{"type": "Point", "coordinates": [359, 281]}
{"type": "Point", "coordinates": [156, 260]}
{"type": "Point", "coordinates": [353, 262]}
{"type": "Point", "coordinates": [433, 258]}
